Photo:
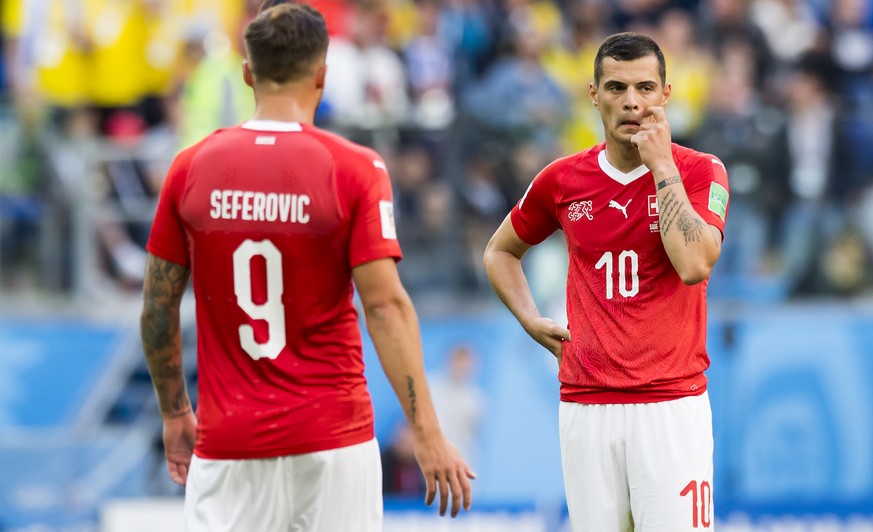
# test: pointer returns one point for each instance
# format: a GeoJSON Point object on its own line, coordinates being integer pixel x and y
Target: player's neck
{"type": "Point", "coordinates": [623, 157]}
{"type": "Point", "coordinates": [285, 108]}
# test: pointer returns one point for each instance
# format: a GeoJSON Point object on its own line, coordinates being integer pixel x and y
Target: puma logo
{"type": "Point", "coordinates": [623, 208]}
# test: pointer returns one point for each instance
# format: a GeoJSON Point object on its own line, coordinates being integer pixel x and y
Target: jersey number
{"type": "Point", "coordinates": [272, 311]}
{"type": "Point", "coordinates": [701, 505]}
{"type": "Point", "coordinates": [628, 268]}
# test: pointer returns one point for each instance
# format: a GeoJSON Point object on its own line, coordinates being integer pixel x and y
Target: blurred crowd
{"type": "Point", "coordinates": [466, 100]}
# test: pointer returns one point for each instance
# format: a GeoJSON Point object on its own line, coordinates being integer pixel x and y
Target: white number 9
{"type": "Point", "coordinates": [272, 311]}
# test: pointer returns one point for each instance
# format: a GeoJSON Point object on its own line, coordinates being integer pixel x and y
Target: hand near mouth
{"type": "Point", "coordinates": [653, 139]}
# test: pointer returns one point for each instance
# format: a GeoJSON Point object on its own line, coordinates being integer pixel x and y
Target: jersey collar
{"type": "Point", "coordinates": [272, 125]}
{"type": "Point", "coordinates": [618, 175]}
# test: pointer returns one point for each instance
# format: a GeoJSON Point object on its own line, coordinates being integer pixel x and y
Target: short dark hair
{"type": "Point", "coordinates": [628, 46]}
{"type": "Point", "coordinates": [284, 42]}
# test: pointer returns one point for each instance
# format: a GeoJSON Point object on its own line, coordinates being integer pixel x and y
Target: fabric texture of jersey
{"type": "Point", "coordinates": [638, 332]}
{"type": "Point", "coordinates": [271, 217]}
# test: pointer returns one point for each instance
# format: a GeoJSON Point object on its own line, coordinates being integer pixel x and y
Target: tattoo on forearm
{"type": "Point", "coordinates": [669, 209]}
{"type": "Point", "coordinates": [410, 387]}
{"type": "Point", "coordinates": [161, 337]}
{"type": "Point", "coordinates": [673, 212]}
{"type": "Point", "coordinates": [690, 226]}
{"type": "Point", "coordinates": [667, 182]}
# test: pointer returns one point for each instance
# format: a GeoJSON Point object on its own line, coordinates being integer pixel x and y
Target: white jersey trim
{"type": "Point", "coordinates": [618, 175]}
{"type": "Point", "coordinates": [271, 125]}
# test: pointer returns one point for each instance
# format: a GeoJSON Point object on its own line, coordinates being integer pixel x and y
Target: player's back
{"type": "Point", "coordinates": [268, 211]}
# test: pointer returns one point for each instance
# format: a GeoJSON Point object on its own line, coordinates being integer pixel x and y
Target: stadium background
{"type": "Point", "coordinates": [466, 100]}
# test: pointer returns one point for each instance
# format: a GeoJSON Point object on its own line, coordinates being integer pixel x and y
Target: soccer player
{"type": "Point", "coordinates": [274, 221]}
{"type": "Point", "coordinates": [643, 220]}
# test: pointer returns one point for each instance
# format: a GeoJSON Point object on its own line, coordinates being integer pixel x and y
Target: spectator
{"type": "Point", "coordinates": [727, 23]}
{"type": "Point", "coordinates": [517, 100]}
{"type": "Point", "coordinates": [401, 475]}
{"type": "Point", "coordinates": [212, 95]}
{"type": "Point", "coordinates": [690, 73]}
{"type": "Point", "coordinates": [365, 89]}
{"type": "Point", "coordinates": [429, 63]}
{"type": "Point", "coordinates": [790, 27]}
{"type": "Point", "coordinates": [459, 401]}
{"type": "Point", "coordinates": [740, 127]}
{"type": "Point", "coordinates": [811, 148]}
{"type": "Point", "coordinates": [567, 61]}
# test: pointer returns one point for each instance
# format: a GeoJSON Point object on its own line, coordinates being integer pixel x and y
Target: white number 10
{"type": "Point", "coordinates": [623, 258]}
{"type": "Point", "coordinates": [272, 311]}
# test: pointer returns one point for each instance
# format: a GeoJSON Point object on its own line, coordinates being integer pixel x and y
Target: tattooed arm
{"type": "Point", "coordinates": [162, 344]}
{"type": "Point", "coordinates": [692, 244]}
{"type": "Point", "coordinates": [393, 327]}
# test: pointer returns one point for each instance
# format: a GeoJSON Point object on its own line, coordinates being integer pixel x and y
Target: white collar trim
{"type": "Point", "coordinates": [272, 125]}
{"type": "Point", "coordinates": [618, 175]}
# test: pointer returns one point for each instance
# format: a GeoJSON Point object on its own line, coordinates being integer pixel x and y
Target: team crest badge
{"type": "Point", "coordinates": [578, 209]}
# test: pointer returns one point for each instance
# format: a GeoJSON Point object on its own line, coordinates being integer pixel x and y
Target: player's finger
{"type": "Point", "coordinates": [656, 112]}
{"type": "Point", "coordinates": [467, 487]}
{"type": "Point", "coordinates": [430, 489]}
{"type": "Point", "coordinates": [444, 494]}
{"type": "Point", "coordinates": [175, 475]}
{"type": "Point", "coordinates": [459, 490]}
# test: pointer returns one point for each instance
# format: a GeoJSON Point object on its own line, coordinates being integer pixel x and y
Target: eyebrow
{"type": "Point", "coordinates": [616, 83]}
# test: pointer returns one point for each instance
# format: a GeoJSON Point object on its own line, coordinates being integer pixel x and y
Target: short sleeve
{"type": "Point", "coordinates": [533, 217]}
{"type": "Point", "coordinates": [708, 190]}
{"type": "Point", "coordinates": [373, 233]}
{"type": "Point", "coordinates": [167, 239]}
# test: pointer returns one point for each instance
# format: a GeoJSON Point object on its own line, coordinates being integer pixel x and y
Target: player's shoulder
{"type": "Point", "coordinates": [345, 150]}
{"type": "Point", "coordinates": [217, 136]}
{"type": "Point", "coordinates": [692, 157]}
{"type": "Point", "coordinates": [576, 161]}
{"type": "Point", "coordinates": [187, 154]}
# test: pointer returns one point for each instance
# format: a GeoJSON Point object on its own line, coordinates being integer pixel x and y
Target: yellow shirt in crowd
{"type": "Point", "coordinates": [108, 53]}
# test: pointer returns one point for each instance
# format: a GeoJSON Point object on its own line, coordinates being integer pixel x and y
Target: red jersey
{"type": "Point", "coordinates": [638, 332]}
{"type": "Point", "coordinates": [271, 217]}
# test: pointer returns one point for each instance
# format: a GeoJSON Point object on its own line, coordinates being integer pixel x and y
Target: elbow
{"type": "Point", "coordinates": [488, 257]}
{"type": "Point", "coordinates": [386, 309]}
{"type": "Point", "coordinates": [493, 256]}
{"type": "Point", "coordinates": [691, 279]}
{"type": "Point", "coordinates": [693, 274]}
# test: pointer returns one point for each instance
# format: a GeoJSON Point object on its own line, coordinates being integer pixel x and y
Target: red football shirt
{"type": "Point", "coordinates": [638, 332]}
{"type": "Point", "coordinates": [271, 217]}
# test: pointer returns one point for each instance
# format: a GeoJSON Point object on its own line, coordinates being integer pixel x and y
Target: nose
{"type": "Point", "coordinates": [631, 102]}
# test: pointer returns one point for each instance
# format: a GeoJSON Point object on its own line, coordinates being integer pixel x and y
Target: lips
{"type": "Point", "coordinates": [630, 123]}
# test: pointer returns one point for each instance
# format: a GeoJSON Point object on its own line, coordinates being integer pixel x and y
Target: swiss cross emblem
{"type": "Point", "coordinates": [578, 209]}
{"type": "Point", "coordinates": [653, 205]}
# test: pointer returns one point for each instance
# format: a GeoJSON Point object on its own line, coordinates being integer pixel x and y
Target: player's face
{"type": "Point", "coordinates": [626, 90]}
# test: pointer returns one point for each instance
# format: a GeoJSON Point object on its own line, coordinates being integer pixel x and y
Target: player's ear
{"type": "Point", "coordinates": [247, 74]}
{"type": "Point", "coordinates": [319, 76]}
{"type": "Point", "coordinates": [668, 88]}
{"type": "Point", "coordinates": [592, 93]}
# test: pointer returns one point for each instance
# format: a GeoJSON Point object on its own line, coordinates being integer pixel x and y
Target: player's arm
{"type": "Point", "coordinates": [160, 330]}
{"type": "Point", "coordinates": [692, 244]}
{"type": "Point", "coordinates": [503, 256]}
{"type": "Point", "coordinates": [393, 327]}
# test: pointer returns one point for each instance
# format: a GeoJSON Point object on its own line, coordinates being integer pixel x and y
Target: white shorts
{"type": "Point", "coordinates": [327, 491]}
{"type": "Point", "coordinates": [638, 467]}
